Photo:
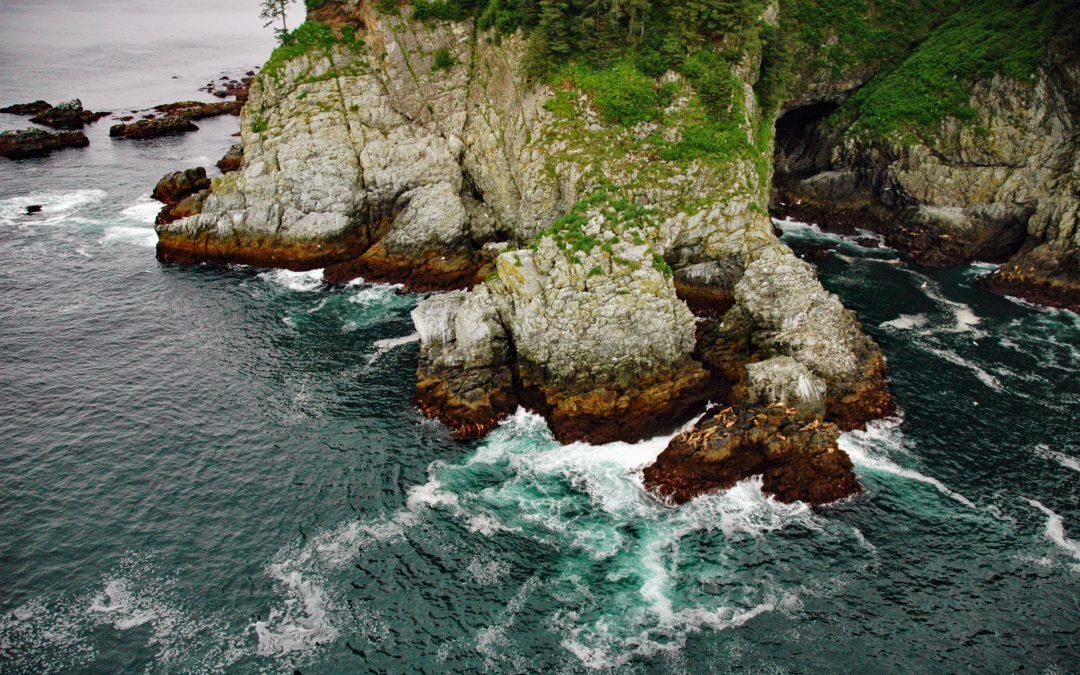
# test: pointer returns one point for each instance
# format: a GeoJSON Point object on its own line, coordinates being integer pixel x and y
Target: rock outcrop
{"type": "Point", "coordinates": [26, 143]}
{"type": "Point", "coordinates": [796, 456]}
{"type": "Point", "coordinates": [583, 237]}
{"type": "Point", "coordinates": [992, 178]}
{"type": "Point", "coordinates": [197, 110]}
{"type": "Point", "coordinates": [183, 193]}
{"type": "Point", "coordinates": [153, 128]}
{"type": "Point", "coordinates": [232, 160]}
{"type": "Point", "coordinates": [32, 108]}
{"type": "Point", "coordinates": [69, 115]}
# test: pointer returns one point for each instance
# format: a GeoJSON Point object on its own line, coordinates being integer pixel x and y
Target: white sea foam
{"type": "Point", "coordinates": [56, 206]}
{"type": "Point", "coordinates": [965, 319]}
{"type": "Point", "coordinates": [126, 234]}
{"type": "Point", "coordinates": [383, 346]}
{"type": "Point", "coordinates": [487, 572]}
{"type": "Point", "coordinates": [376, 294]}
{"type": "Point", "coordinates": [865, 447]}
{"type": "Point", "coordinates": [1055, 530]}
{"type": "Point", "coordinates": [1060, 457]}
{"type": "Point", "coordinates": [814, 231]}
{"type": "Point", "coordinates": [143, 211]}
{"type": "Point", "coordinates": [133, 595]}
{"type": "Point", "coordinates": [626, 531]}
{"type": "Point", "coordinates": [954, 358]}
{"type": "Point", "coordinates": [905, 322]}
{"type": "Point", "coordinates": [311, 280]}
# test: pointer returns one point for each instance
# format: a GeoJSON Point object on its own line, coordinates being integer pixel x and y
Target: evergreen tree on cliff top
{"type": "Point", "coordinates": [274, 11]}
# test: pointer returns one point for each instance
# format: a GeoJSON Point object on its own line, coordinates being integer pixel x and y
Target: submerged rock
{"type": "Point", "coordinates": [27, 143]}
{"type": "Point", "coordinates": [796, 456]}
{"type": "Point", "coordinates": [153, 128]}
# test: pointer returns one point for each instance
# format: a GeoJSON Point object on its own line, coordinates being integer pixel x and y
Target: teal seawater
{"type": "Point", "coordinates": [207, 469]}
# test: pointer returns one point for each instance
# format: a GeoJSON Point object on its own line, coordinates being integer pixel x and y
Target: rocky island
{"type": "Point", "coordinates": [593, 188]}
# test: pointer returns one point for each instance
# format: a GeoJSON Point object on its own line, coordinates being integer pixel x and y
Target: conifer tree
{"type": "Point", "coordinates": [274, 11]}
{"type": "Point", "coordinates": [554, 26]}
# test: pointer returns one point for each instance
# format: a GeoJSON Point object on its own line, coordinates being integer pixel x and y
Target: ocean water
{"type": "Point", "coordinates": [206, 469]}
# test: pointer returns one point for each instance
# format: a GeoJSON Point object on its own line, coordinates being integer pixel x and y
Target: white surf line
{"type": "Point", "coordinates": [1060, 457]}
{"type": "Point", "coordinates": [383, 346]}
{"type": "Point", "coordinates": [854, 444]}
{"type": "Point", "coordinates": [311, 280]}
{"type": "Point", "coordinates": [1055, 529]}
{"type": "Point", "coordinates": [980, 374]}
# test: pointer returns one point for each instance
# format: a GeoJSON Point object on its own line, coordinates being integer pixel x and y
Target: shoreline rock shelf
{"type": "Point", "coordinates": [153, 128]}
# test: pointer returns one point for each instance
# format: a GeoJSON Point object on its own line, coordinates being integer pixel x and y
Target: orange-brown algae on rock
{"type": "Point", "coordinates": [296, 255]}
{"type": "Point", "coordinates": [606, 414]}
{"type": "Point", "coordinates": [797, 457]}
{"type": "Point", "coordinates": [430, 271]}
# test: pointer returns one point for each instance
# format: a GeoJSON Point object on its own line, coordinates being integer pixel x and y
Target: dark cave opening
{"type": "Point", "coordinates": [799, 138]}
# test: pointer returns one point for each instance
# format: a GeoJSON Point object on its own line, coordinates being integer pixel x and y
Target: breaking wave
{"type": "Point", "coordinates": [1055, 529]}
{"type": "Point", "coordinates": [870, 449]}
{"type": "Point", "coordinates": [306, 282]}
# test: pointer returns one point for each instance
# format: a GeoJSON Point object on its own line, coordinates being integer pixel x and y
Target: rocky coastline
{"type": "Point", "coordinates": [601, 266]}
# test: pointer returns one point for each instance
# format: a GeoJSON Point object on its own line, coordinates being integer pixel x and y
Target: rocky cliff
{"type": "Point", "coordinates": [966, 148]}
{"type": "Point", "coordinates": [584, 210]}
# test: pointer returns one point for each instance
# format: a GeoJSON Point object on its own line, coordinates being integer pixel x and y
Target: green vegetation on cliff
{"type": "Point", "coordinates": [986, 38]}
{"type": "Point", "coordinates": [308, 37]}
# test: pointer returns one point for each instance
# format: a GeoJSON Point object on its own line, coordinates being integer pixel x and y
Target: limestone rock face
{"type": "Point", "coordinates": [785, 381]}
{"type": "Point", "coordinates": [348, 147]}
{"type": "Point", "coordinates": [1002, 185]}
{"type": "Point", "coordinates": [792, 314]}
{"type": "Point", "coordinates": [464, 377]}
{"type": "Point", "coordinates": [582, 240]}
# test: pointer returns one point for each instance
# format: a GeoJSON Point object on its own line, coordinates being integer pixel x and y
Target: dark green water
{"type": "Point", "coordinates": [220, 469]}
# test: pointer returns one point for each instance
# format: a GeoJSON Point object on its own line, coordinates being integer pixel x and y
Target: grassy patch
{"type": "Point", "coordinates": [933, 83]}
{"type": "Point", "coordinates": [310, 36]}
{"type": "Point", "coordinates": [443, 60]}
{"type": "Point", "coordinates": [622, 94]}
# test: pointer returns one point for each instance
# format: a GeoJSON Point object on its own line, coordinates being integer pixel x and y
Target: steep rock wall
{"type": "Point", "coordinates": [420, 152]}
{"type": "Point", "coordinates": [995, 179]}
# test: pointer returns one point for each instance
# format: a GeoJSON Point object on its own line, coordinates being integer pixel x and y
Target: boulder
{"type": "Point", "coordinates": [796, 456]}
{"type": "Point", "coordinates": [68, 115]}
{"type": "Point", "coordinates": [38, 143]}
{"type": "Point", "coordinates": [179, 184]}
{"type": "Point", "coordinates": [153, 128]}
{"type": "Point", "coordinates": [233, 159]}
{"type": "Point", "coordinates": [26, 108]}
